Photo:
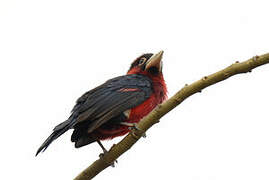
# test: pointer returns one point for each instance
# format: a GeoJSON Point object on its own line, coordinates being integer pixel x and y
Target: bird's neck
{"type": "Point", "coordinates": [158, 82]}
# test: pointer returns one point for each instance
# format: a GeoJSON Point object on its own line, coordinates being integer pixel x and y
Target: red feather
{"type": "Point", "coordinates": [128, 89]}
{"type": "Point", "coordinates": [137, 113]}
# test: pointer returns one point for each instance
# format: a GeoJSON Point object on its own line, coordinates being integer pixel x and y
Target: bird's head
{"type": "Point", "coordinates": [148, 64]}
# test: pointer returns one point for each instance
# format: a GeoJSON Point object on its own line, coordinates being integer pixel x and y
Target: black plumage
{"type": "Point", "coordinates": [103, 105]}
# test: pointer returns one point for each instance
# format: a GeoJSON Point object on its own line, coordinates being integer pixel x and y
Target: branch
{"type": "Point", "coordinates": [147, 122]}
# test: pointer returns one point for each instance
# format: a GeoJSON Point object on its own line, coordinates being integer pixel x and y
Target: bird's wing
{"type": "Point", "coordinates": [110, 99]}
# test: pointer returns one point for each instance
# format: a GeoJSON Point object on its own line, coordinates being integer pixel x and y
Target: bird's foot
{"type": "Point", "coordinates": [133, 126]}
{"type": "Point", "coordinates": [101, 155]}
{"type": "Point", "coordinates": [105, 152]}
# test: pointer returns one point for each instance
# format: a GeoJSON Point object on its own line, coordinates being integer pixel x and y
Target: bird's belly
{"type": "Point", "coordinates": [135, 115]}
{"type": "Point", "coordinates": [142, 110]}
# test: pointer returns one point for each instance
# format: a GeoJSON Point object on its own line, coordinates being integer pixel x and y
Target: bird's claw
{"type": "Point", "coordinates": [144, 135]}
{"type": "Point", "coordinates": [113, 163]}
{"type": "Point", "coordinates": [135, 127]}
{"type": "Point", "coordinates": [101, 155]}
{"type": "Point", "coordinates": [138, 129]}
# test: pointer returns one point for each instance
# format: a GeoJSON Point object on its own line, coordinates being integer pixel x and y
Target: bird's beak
{"type": "Point", "coordinates": [155, 61]}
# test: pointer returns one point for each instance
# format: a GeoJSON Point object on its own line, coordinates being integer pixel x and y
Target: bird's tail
{"type": "Point", "coordinates": [57, 132]}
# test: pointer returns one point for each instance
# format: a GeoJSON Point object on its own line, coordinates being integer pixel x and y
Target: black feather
{"type": "Point", "coordinates": [57, 131]}
{"type": "Point", "coordinates": [102, 105]}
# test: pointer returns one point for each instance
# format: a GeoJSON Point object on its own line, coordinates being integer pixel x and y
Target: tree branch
{"type": "Point", "coordinates": [127, 142]}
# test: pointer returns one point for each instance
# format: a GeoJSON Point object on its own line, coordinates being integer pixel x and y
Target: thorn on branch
{"type": "Point", "coordinates": [226, 75]}
{"type": "Point", "coordinates": [255, 58]}
{"type": "Point", "coordinates": [236, 62]}
{"type": "Point", "coordinates": [204, 78]}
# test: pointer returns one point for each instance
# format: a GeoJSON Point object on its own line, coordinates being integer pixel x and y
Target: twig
{"type": "Point", "coordinates": [153, 118]}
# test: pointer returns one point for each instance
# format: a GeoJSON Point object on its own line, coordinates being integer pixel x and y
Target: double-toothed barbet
{"type": "Point", "coordinates": [110, 109]}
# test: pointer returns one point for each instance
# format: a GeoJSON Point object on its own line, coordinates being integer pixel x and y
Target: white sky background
{"type": "Point", "coordinates": [52, 51]}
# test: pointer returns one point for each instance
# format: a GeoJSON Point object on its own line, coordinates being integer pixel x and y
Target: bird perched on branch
{"type": "Point", "coordinates": [110, 109]}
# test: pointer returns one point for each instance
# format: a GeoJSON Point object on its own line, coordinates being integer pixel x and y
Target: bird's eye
{"type": "Point", "coordinates": [142, 61]}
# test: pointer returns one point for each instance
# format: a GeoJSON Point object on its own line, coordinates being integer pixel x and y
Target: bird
{"type": "Point", "coordinates": [116, 106]}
